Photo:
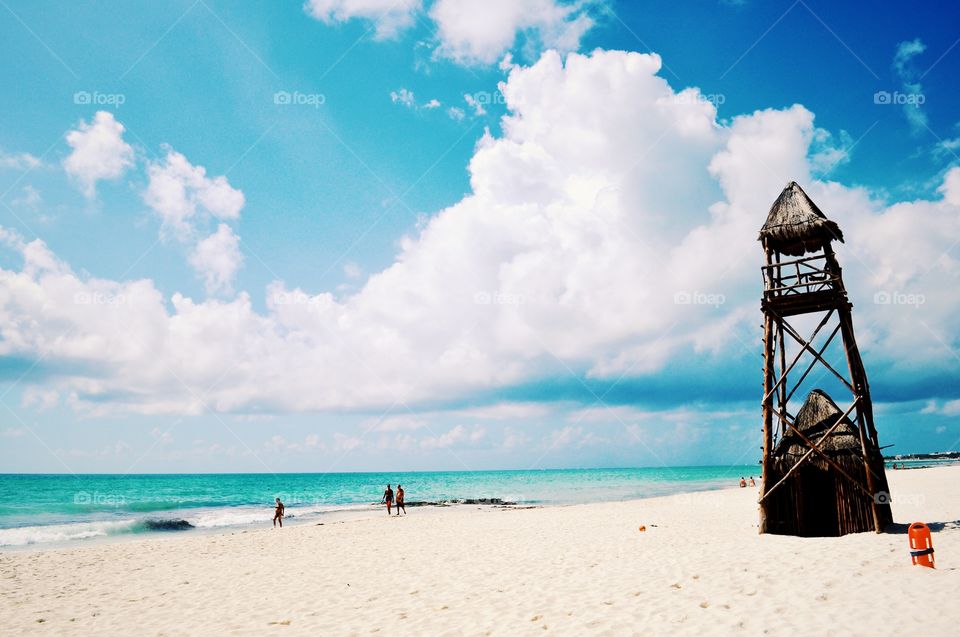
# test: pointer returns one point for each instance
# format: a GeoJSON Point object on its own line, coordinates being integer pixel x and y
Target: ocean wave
{"type": "Point", "coordinates": [62, 533]}
{"type": "Point", "coordinates": [209, 519]}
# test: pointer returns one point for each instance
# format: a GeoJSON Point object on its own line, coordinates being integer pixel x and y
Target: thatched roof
{"type": "Point", "coordinates": [795, 225]}
{"type": "Point", "coordinates": [815, 417]}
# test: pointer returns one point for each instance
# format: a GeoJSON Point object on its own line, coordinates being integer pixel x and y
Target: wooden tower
{"type": "Point", "coordinates": [823, 472]}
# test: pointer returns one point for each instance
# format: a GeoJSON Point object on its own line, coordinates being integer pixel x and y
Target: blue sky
{"type": "Point", "coordinates": [474, 298]}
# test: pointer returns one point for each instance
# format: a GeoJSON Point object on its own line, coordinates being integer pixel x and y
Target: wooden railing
{"type": "Point", "coordinates": [800, 276]}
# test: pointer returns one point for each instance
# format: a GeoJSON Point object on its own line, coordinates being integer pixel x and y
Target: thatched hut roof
{"type": "Point", "coordinates": [795, 225]}
{"type": "Point", "coordinates": [815, 417]}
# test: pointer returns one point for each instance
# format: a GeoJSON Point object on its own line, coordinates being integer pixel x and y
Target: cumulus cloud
{"type": "Point", "coordinates": [178, 190]}
{"type": "Point", "coordinates": [98, 152]}
{"type": "Point", "coordinates": [608, 200]}
{"type": "Point", "coordinates": [481, 31]}
{"type": "Point", "coordinates": [388, 17]}
{"type": "Point", "coordinates": [472, 32]}
{"type": "Point", "coordinates": [455, 437]}
{"type": "Point", "coordinates": [217, 259]}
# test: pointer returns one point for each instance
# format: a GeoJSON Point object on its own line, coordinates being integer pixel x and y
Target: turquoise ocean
{"type": "Point", "coordinates": [69, 509]}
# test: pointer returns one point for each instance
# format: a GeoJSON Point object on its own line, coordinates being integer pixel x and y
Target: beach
{"type": "Point", "coordinates": [699, 568]}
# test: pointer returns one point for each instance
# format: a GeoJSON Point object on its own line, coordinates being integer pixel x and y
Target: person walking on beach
{"type": "Point", "coordinates": [400, 500]}
{"type": "Point", "coordinates": [278, 514]}
{"type": "Point", "coordinates": [388, 498]}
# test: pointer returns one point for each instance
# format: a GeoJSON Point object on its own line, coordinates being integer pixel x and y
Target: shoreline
{"type": "Point", "coordinates": [162, 523]}
{"type": "Point", "coordinates": [700, 567]}
{"type": "Point", "coordinates": [340, 513]}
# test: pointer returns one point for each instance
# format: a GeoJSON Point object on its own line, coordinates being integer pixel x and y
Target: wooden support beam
{"type": "Point", "coordinates": [813, 363]}
{"type": "Point", "coordinates": [806, 346]}
{"type": "Point", "coordinates": [796, 359]}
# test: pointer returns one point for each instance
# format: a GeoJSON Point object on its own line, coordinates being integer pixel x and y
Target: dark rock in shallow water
{"type": "Point", "coordinates": [445, 503]}
{"type": "Point", "coordinates": [167, 525]}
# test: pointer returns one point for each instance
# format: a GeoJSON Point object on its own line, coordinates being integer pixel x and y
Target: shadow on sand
{"type": "Point", "coordinates": [898, 528]}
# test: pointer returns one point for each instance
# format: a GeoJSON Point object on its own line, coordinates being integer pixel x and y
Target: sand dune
{"type": "Point", "coordinates": [700, 568]}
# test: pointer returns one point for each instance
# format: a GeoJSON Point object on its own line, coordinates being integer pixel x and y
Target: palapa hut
{"type": "Point", "coordinates": [817, 500]}
{"type": "Point", "coordinates": [822, 469]}
{"type": "Point", "coordinates": [796, 226]}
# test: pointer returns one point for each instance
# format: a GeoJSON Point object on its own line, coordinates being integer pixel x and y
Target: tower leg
{"type": "Point", "coordinates": [869, 445]}
{"type": "Point", "coordinates": [769, 352]}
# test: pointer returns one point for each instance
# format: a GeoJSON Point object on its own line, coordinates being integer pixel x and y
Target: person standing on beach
{"type": "Point", "coordinates": [752, 483]}
{"type": "Point", "coordinates": [388, 498]}
{"type": "Point", "coordinates": [400, 500]}
{"type": "Point", "coordinates": [278, 514]}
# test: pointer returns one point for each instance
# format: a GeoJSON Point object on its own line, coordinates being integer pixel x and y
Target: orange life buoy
{"type": "Point", "coordinates": [921, 546]}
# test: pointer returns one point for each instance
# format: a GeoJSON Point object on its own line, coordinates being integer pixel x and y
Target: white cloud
{"type": "Point", "coordinates": [40, 398]}
{"type": "Point", "coordinates": [903, 65]}
{"type": "Point", "coordinates": [504, 411]}
{"type": "Point", "coordinates": [475, 104]}
{"type": "Point", "coordinates": [455, 113]}
{"type": "Point", "coordinates": [433, 103]}
{"type": "Point", "coordinates": [472, 32]}
{"type": "Point", "coordinates": [481, 31]}
{"type": "Point", "coordinates": [18, 161]}
{"type": "Point", "coordinates": [177, 190]}
{"type": "Point", "coordinates": [344, 444]}
{"type": "Point", "coordinates": [949, 408]}
{"type": "Point", "coordinates": [217, 259]}
{"type": "Point", "coordinates": [951, 186]}
{"type": "Point", "coordinates": [352, 270]}
{"type": "Point", "coordinates": [389, 17]}
{"type": "Point", "coordinates": [99, 152]}
{"type": "Point", "coordinates": [29, 199]}
{"type": "Point", "coordinates": [402, 96]}
{"type": "Point", "coordinates": [394, 423]}
{"type": "Point", "coordinates": [605, 195]}
{"type": "Point", "coordinates": [162, 436]}
{"type": "Point", "coordinates": [13, 432]}
{"type": "Point", "coordinates": [455, 437]}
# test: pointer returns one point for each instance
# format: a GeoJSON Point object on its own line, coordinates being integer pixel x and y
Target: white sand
{"type": "Point", "coordinates": [569, 570]}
